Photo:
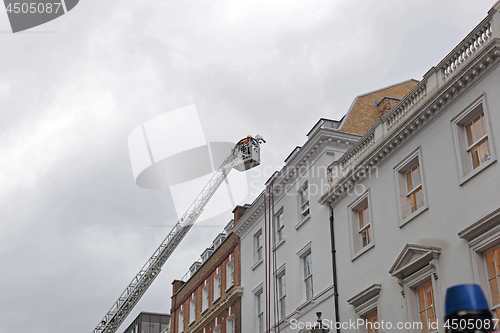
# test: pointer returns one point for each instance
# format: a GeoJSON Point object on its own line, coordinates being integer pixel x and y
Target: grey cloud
{"type": "Point", "coordinates": [74, 228]}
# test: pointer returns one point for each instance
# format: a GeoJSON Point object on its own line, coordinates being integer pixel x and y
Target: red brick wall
{"type": "Point", "coordinates": [207, 272]}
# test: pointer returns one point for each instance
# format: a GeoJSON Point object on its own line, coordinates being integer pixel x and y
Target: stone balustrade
{"type": "Point", "coordinates": [471, 45]}
{"type": "Point", "coordinates": [437, 76]}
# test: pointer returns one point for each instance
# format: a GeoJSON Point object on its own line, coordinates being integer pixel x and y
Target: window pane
{"type": "Point", "coordinates": [405, 208]}
{"type": "Point", "coordinates": [490, 263]}
{"type": "Point", "coordinates": [419, 197]}
{"type": "Point", "coordinates": [309, 287]}
{"type": "Point", "coordinates": [307, 265]}
{"type": "Point", "coordinates": [429, 298]}
{"type": "Point", "coordinates": [409, 184]}
{"type": "Point", "coordinates": [366, 217]}
{"type": "Point", "coordinates": [483, 121]}
{"type": "Point", "coordinates": [372, 319]}
{"type": "Point", "coordinates": [304, 197]}
{"type": "Point", "coordinates": [495, 293]}
{"type": "Point", "coordinates": [413, 200]}
{"type": "Point", "coordinates": [484, 150]}
{"type": "Point", "coordinates": [365, 236]}
{"type": "Point", "coordinates": [361, 220]}
{"type": "Point", "coordinates": [426, 305]}
{"type": "Point", "coordinates": [421, 299]}
{"type": "Point", "coordinates": [475, 157]}
{"type": "Point", "coordinates": [478, 128]}
{"type": "Point", "coordinates": [496, 257]}
{"type": "Point", "coordinates": [431, 314]}
{"type": "Point", "coordinates": [415, 175]}
{"type": "Point", "coordinates": [423, 320]}
{"type": "Point", "coordinates": [281, 286]}
{"type": "Point", "coordinates": [468, 131]}
{"type": "Point", "coordinates": [280, 220]}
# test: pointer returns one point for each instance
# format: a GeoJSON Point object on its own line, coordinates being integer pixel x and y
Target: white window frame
{"type": "Point", "coordinates": [230, 273]}
{"type": "Point", "coordinates": [482, 236]}
{"type": "Point", "coordinates": [303, 253]}
{"type": "Point", "coordinates": [281, 294]}
{"type": "Point", "coordinates": [366, 303]}
{"type": "Point", "coordinates": [357, 248]}
{"type": "Point", "coordinates": [401, 185]}
{"type": "Point", "coordinates": [259, 308]}
{"type": "Point", "coordinates": [308, 277]}
{"type": "Point", "coordinates": [217, 287]}
{"type": "Point", "coordinates": [465, 168]}
{"type": "Point", "coordinates": [304, 208]}
{"type": "Point", "coordinates": [180, 324]}
{"type": "Point", "coordinates": [192, 310]}
{"type": "Point", "coordinates": [205, 297]}
{"type": "Point", "coordinates": [258, 248]}
{"type": "Point", "coordinates": [217, 326]}
{"type": "Point", "coordinates": [230, 324]}
{"type": "Point", "coordinates": [279, 228]}
{"type": "Point", "coordinates": [423, 267]}
{"type": "Point", "coordinates": [411, 284]}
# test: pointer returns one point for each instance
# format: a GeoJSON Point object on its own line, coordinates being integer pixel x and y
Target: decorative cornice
{"type": "Point", "coordinates": [486, 60]}
{"type": "Point", "coordinates": [365, 295]}
{"type": "Point", "coordinates": [366, 300]}
{"type": "Point", "coordinates": [220, 306]}
{"type": "Point", "coordinates": [484, 224]}
{"type": "Point", "coordinates": [295, 167]}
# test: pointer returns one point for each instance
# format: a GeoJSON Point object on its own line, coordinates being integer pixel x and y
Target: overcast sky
{"type": "Point", "coordinates": [74, 226]}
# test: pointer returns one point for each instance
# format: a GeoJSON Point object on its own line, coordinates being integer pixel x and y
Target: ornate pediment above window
{"type": "Point", "coordinates": [415, 261]}
{"type": "Point", "coordinates": [412, 258]}
{"type": "Point", "coordinates": [366, 301]}
{"type": "Point", "coordinates": [482, 228]}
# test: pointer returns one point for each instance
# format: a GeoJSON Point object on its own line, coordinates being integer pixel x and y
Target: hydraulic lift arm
{"type": "Point", "coordinates": [244, 156]}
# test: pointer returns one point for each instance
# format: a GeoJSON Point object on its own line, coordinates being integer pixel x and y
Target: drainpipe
{"type": "Point", "coordinates": [334, 265]}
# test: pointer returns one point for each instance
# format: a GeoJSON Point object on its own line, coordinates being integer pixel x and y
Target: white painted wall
{"type": "Point", "coordinates": [451, 208]}
{"type": "Point", "coordinates": [316, 230]}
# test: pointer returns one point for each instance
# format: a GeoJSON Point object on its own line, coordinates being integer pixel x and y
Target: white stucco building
{"type": "Point", "coordinates": [286, 262]}
{"type": "Point", "coordinates": [416, 200]}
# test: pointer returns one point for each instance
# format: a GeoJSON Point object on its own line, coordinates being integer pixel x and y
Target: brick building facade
{"type": "Point", "coordinates": [210, 299]}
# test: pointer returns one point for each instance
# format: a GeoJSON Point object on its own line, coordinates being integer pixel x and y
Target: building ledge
{"type": "Point", "coordinates": [480, 227]}
{"type": "Point", "coordinates": [302, 222]}
{"type": "Point", "coordinates": [234, 294]}
{"type": "Point", "coordinates": [257, 264]}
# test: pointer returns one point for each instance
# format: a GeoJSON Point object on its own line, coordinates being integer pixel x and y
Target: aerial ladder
{"type": "Point", "coordinates": [244, 156]}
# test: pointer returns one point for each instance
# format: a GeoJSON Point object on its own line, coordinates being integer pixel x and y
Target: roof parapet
{"type": "Point", "coordinates": [436, 88]}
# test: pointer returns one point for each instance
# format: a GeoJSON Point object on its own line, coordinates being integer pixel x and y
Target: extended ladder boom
{"type": "Point", "coordinates": [141, 282]}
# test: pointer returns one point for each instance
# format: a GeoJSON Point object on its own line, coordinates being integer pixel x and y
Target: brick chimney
{"type": "Point", "coordinates": [385, 104]}
{"type": "Point", "coordinates": [238, 212]}
{"type": "Point", "coordinates": [177, 284]}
